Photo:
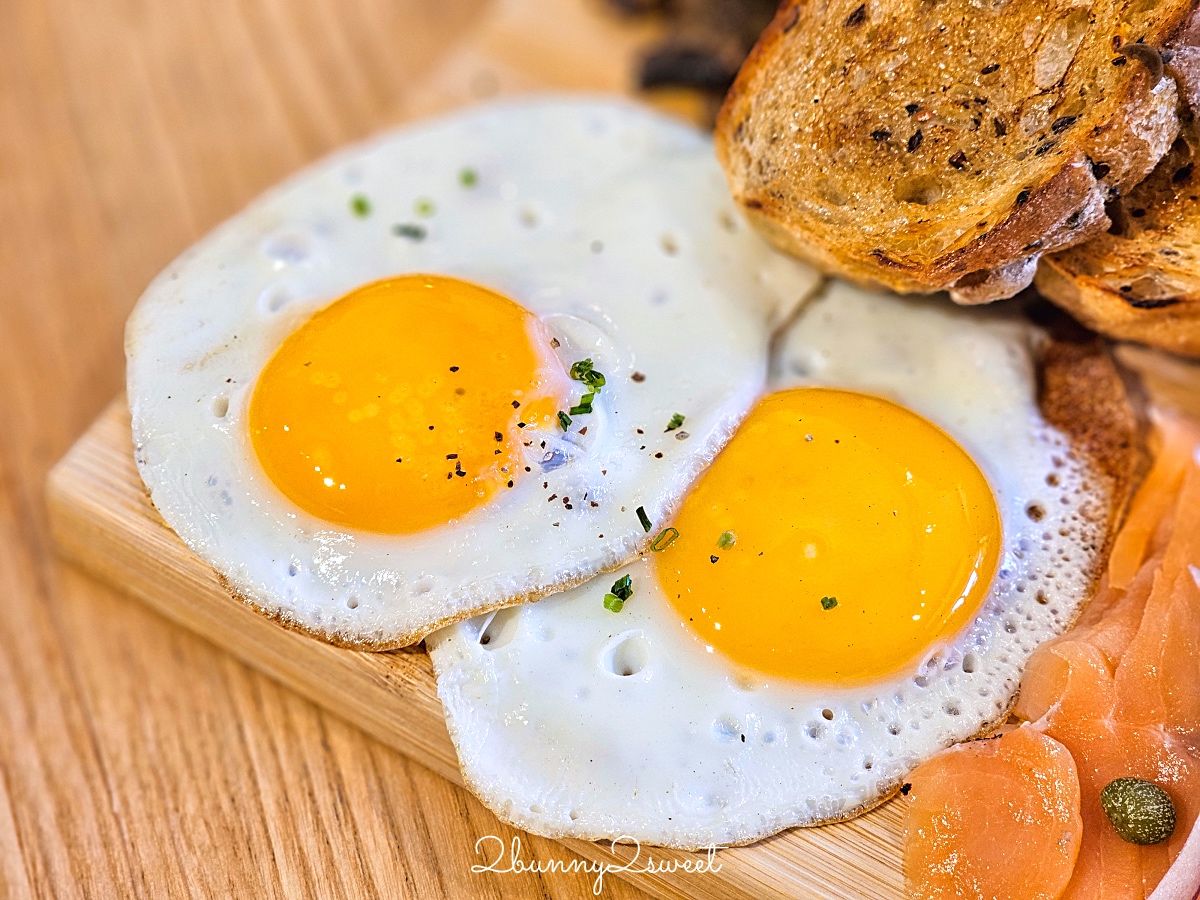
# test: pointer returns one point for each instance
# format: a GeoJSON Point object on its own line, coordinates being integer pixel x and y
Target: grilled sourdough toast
{"type": "Point", "coordinates": [929, 145]}
{"type": "Point", "coordinates": [1141, 280]}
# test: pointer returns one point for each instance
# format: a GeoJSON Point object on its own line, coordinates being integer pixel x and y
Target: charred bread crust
{"type": "Point", "coordinates": [991, 249]}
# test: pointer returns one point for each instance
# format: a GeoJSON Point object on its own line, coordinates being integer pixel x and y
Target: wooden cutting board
{"type": "Point", "coordinates": [102, 519]}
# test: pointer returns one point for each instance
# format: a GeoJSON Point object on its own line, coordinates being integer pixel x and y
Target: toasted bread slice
{"type": "Point", "coordinates": [1101, 408]}
{"type": "Point", "coordinates": [947, 145]}
{"type": "Point", "coordinates": [1141, 281]}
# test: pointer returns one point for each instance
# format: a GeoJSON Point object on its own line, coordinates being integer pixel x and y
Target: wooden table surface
{"type": "Point", "coordinates": [135, 759]}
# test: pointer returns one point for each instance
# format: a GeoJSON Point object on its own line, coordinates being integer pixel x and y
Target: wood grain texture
{"type": "Point", "coordinates": [137, 760]}
{"type": "Point", "coordinates": [101, 517]}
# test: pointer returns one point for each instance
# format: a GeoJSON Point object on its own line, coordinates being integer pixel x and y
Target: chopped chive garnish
{"type": "Point", "coordinates": [564, 420]}
{"type": "Point", "coordinates": [644, 519]}
{"type": "Point", "coordinates": [623, 587]}
{"type": "Point", "coordinates": [726, 540]}
{"type": "Point", "coordinates": [613, 603]}
{"type": "Point", "coordinates": [676, 422]}
{"type": "Point", "coordinates": [584, 371]}
{"type": "Point", "coordinates": [424, 207]}
{"type": "Point", "coordinates": [468, 178]}
{"type": "Point", "coordinates": [360, 206]}
{"type": "Point", "coordinates": [584, 406]}
{"type": "Point", "coordinates": [665, 539]}
{"type": "Point", "coordinates": [828, 602]}
{"type": "Point", "coordinates": [410, 231]}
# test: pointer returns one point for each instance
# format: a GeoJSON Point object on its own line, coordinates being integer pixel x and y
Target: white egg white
{"type": "Point", "coordinates": [573, 720]}
{"type": "Point", "coordinates": [610, 222]}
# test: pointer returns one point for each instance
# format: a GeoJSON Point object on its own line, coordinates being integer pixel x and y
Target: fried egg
{"type": "Point", "coordinates": [437, 374]}
{"type": "Point", "coordinates": [855, 583]}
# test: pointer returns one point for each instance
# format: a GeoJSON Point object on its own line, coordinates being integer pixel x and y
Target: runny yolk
{"type": "Point", "coordinates": [405, 403]}
{"type": "Point", "coordinates": [836, 538]}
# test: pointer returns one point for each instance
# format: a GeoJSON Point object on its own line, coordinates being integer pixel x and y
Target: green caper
{"type": "Point", "coordinates": [1140, 811]}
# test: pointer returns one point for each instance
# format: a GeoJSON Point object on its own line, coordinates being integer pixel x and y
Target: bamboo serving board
{"type": "Point", "coordinates": [102, 519]}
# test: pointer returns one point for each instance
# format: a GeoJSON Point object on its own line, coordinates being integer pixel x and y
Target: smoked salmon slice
{"type": "Point", "coordinates": [1154, 500]}
{"type": "Point", "coordinates": [1108, 740]}
{"type": "Point", "coordinates": [993, 820]}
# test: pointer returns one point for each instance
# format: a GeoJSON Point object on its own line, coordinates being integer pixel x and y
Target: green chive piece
{"type": "Point", "coordinates": [665, 539]}
{"type": "Point", "coordinates": [584, 371]}
{"type": "Point", "coordinates": [468, 178]}
{"type": "Point", "coordinates": [412, 232]}
{"type": "Point", "coordinates": [424, 207]}
{"type": "Point", "coordinates": [726, 540]}
{"type": "Point", "coordinates": [644, 519]}
{"type": "Point", "coordinates": [360, 206]}
{"type": "Point", "coordinates": [676, 422]}
{"type": "Point", "coordinates": [564, 420]}
{"type": "Point", "coordinates": [613, 603]}
{"type": "Point", "coordinates": [623, 587]}
{"type": "Point", "coordinates": [584, 407]}
{"type": "Point", "coordinates": [828, 602]}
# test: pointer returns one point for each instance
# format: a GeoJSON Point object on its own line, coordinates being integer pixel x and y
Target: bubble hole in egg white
{"type": "Point", "coordinates": [610, 222]}
{"type": "Point", "coordinates": [572, 720]}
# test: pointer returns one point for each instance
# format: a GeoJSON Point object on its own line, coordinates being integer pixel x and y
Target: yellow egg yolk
{"type": "Point", "coordinates": [404, 404]}
{"type": "Point", "coordinates": [838, 537]}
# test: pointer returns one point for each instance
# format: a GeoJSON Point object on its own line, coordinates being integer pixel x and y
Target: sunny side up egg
{"type": "Point", "coordinates": [855, 583]}
{"type": "Point", "coordinates": [434, 375]}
